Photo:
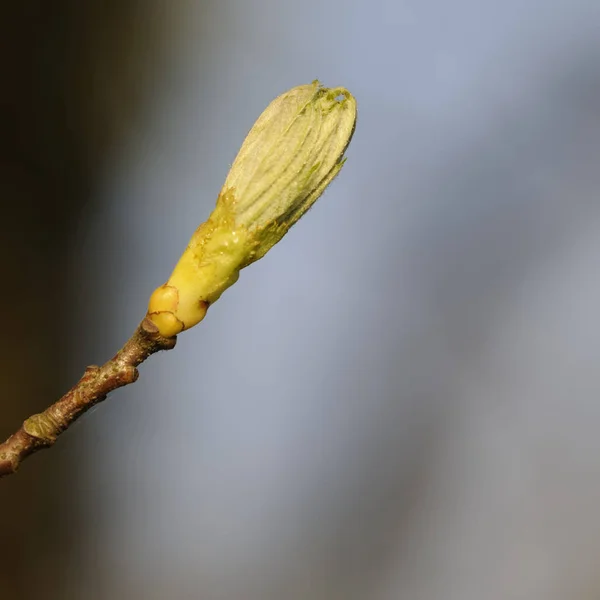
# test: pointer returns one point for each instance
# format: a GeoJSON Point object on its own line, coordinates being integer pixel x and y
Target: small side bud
{"type": "Point", "coordinates": [291, 154]}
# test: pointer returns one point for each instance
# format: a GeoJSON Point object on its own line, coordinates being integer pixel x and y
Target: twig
{"type": "Point", "coordinates": [293, 152]}
{"type": "Point", "coordinates": [41, 430]}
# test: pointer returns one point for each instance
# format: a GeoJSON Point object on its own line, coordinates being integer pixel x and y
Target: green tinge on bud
{"type": "Point", "coordinates": [289, 157]}
{"type": "Point", "coordinates": [291, 154]}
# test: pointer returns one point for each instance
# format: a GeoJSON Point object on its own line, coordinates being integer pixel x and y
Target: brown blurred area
{"type": "Point", "coordinates": [72, 79]}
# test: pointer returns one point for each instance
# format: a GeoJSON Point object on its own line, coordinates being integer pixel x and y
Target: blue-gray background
{"type": "Point", "coordinates": [402, 400]}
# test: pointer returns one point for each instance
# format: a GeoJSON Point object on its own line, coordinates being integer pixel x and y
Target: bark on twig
{"type": "Point", "coordinates": [41, 430]}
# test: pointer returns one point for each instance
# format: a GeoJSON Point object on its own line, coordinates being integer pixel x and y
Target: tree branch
{"type": "Point", "coordinates": [264, 194]}
{"type": "Point", "coordinates": [41, 431]}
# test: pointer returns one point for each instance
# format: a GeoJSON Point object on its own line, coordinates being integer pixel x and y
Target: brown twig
{"type": "Point", "coordinates": [41, 430]}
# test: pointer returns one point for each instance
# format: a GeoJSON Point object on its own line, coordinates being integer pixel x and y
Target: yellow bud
{"type": "Point", "coordinates": [291, 154]}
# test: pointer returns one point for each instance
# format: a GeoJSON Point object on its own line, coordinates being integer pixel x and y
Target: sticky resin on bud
{"type": "Point", "coordinates": [291, 154]}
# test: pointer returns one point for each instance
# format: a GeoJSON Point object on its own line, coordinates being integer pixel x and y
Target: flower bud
{"type": "Point", "coordinates": [291, 154]}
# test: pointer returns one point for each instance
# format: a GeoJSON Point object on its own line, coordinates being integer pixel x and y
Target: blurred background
{"type": "Point", "coordinates": [402, 399]}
